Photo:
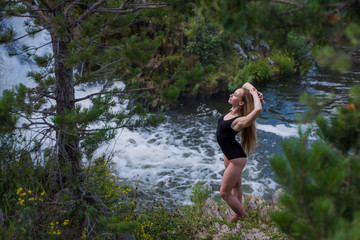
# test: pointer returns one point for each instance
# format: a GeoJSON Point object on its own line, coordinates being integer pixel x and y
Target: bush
{"type": "Point", "coordinates": [35, 207]}
{"type": "Point", "coordinates": [284, 64]}
{"type": "Point", "coordinates": [260, 70]}
{"type": "Point", "coordinates": [161, 221]}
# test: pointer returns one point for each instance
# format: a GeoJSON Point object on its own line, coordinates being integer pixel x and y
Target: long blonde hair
{"type": "Point", "coordinates": [248, 134]}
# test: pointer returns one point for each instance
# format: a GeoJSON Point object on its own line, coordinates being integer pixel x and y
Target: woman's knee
{"type": "Point", "coordinates": [224, 194]}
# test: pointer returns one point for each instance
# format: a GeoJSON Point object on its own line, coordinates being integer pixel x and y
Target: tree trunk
{"type": "Point", "coordinates": [67, 140]}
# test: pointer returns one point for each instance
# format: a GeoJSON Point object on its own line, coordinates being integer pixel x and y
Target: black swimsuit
{"type": "Point", "coordinates": [225, 136]}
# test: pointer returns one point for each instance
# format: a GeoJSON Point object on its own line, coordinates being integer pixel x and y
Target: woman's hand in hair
{"type": "Point", "coordinates": [261, 97]}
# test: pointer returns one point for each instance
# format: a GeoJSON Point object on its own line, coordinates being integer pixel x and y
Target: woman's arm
{"type": "Point", "coordinates": [243, 122]}
{"type": "Point", "coordinates": [249, 86]}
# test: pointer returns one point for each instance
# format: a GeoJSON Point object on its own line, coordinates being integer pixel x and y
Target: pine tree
{"type": "Point", "coordinates": [87, 46]}
{"type": "Point", "coordinates": [322, 199]}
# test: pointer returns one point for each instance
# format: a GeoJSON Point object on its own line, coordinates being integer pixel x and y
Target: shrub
{"type": "Point", "coordinates": [284, 64]}
{"type": "Point", "coordinates": [261, 70]}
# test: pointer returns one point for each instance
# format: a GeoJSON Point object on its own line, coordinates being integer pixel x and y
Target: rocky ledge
{"type": "Point", "coordinates": [217, 214]}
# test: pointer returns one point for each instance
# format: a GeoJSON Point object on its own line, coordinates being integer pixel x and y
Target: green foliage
{"type": "Point", "coordinates": [260, 70]}
{"type": "Point", "coordinates": [206, 43]}
{"type": "Point", "coordinates": [161, 221]}
{"type": "Point", "coordinates": [297, 46]}
{"type": "Point", "coordinates": [284, 63]}
{"type": "Point", "coordinates": [333, 58]}
{"type": "Point", "coordinates": [283, 22]}
{"type": "Point", "coordinates": [241, 77]}
{"type": "Point", "coordinates": [33, 210]}
{"type": "Point", "coordinates": [200, 192]}
{"type": "Point", "coordinates": [321, 181]}
{"type": "Point", "coordinates": [140, 50]}
{"type": "Point", "coordinates": [171, 93]}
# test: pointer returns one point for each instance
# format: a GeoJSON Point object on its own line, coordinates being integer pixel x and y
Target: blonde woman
{"type": "Point", "coordinates": [246, 107]}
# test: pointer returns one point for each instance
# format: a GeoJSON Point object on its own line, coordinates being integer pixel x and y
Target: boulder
{"type": "Point", "coordinates": [264, 212]}
{"type": "Point", "coordinates": [254, 234]}
{"type": "Point", "coordinates": [211, 209]}
{"type": "Point", "coordinates": [126, 236]}
{"type": "Point", "coordinates": [277, 194]}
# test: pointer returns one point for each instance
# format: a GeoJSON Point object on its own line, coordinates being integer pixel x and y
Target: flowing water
{"type": "Point", "coordinates": [167, 160]}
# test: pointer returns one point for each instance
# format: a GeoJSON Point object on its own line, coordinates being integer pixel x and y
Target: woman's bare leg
{"type": "Point", "coordinates": [236, 191]}
{"type": "Point", "coordinates": [231, 179]}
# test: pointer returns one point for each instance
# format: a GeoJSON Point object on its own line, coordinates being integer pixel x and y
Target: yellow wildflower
{"type": "Point", "coordinates": [19, 190]}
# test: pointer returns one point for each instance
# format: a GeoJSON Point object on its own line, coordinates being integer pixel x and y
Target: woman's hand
{"type": "Point", "coordinates": [251, 88]}
{"type": "Point", "coordinates": [261, 96]}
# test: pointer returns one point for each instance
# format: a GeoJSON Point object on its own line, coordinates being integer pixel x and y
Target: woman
{"type": "Point", "coordinates": [246, 107]}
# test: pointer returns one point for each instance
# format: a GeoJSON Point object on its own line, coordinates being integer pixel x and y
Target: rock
{"type": "Point", "coordinates": [252, 203]}
{"type": "Point", "coordinates": [264, 212]}
{"type": "Point", "coordinates": [241, 52]}
{"type": "Point", "coordinates": [2, 217]}
{"type": "Point", "coordinates": [264, 46]}
{"type": "Point", "coordinates": [211, 208]}
{"type": "Point", "coordinates": [217, 225]}
{"type": "Point", "coordinates": [258, 234]}
{"type": "Point", "coordinates": [277, 194]}
{"type": "Point", "coordinates": [259, 201]}
{"type": "Point", "coordinates": [253, 57]}
{"type": "Point", "coordinates": [254, 234]}
{"type": "Point", "coordinates": [270, 61]}
{"type": "Point", "coordinates": [249, 45]}
{"type": "Point", "coordinates": [224, 228]}
{"type": "Point", "coordinates": [200, 235]}
{"type": "Point", "coordinates": [228, 212]}
{"type": "Point", "coordinates": [126, 236]}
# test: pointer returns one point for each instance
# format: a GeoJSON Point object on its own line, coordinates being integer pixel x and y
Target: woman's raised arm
{"type": "Point", "coordinates": [245, 121]}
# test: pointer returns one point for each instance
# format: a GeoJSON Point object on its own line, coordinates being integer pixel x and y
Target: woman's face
{"type": "Point", "coordinates": [236, 97]}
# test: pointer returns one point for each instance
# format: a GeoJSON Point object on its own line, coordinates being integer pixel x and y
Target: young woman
{"type": "Point", "coordinates": [246, 107]}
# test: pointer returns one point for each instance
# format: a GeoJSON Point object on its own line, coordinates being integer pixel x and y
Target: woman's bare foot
{"type": "Point", "coordinates": [234, 218]}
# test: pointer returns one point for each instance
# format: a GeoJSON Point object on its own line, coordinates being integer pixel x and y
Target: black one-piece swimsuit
{"type": "Point", "coordinates": [225, 136]}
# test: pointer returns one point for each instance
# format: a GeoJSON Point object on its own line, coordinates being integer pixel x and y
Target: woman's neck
{"type": "Point", "coordinates": [235, 111]}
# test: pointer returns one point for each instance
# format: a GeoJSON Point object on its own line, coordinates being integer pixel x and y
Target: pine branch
{"type": "Point", "coordinates": [46, 5]}
{"type": "Point", "coordinates": [341, 6]}
{"type": "Point", "coordinates": [35, 32]}
{"type": "Point", "coordinates": [29, 49]}
{"type": "Point", "coordinates": [103, 68]}
{"type": "Point", "coordinates": [288, 3]}
{"type": "Point", "coordinates": [90, 10]}
{"type": "Point", "coordinates": [115, 92]}
{"type": "Point", "coordinates": [38, 11]}
{"type": "Point", "coordinates": [121, 11]}
{"type": "Point", "coordinates": [42, 93]}
{"type": "Point", "coordinates": [44, 132]}
{"type": "Point", "coordinates": [71, 7]}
